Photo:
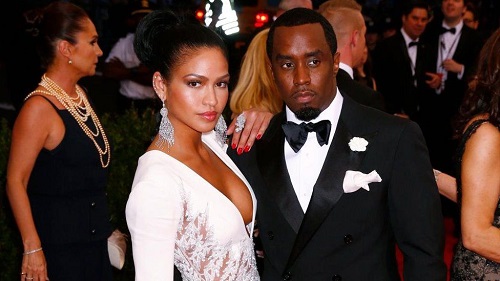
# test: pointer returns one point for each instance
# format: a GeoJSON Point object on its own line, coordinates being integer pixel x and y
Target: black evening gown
{"type": "Point", "coordinates": [468, 265]}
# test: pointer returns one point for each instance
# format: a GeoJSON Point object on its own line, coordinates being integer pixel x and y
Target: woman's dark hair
{"type": "Point", "coordinates": [164, 38]}
{"type": "Point", "coordinates": [483, 95]}
{"type": "Point", "coordinates": [301, 16]}
{"type": "Point", "coordinates": [59, 21]}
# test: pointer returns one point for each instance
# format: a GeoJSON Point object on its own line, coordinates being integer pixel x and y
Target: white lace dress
{"type": "Point", "coordinates": [176, 217]}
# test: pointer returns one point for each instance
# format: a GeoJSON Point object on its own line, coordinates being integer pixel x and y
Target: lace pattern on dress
{"type": "Point", "coordinates": [200, 256]}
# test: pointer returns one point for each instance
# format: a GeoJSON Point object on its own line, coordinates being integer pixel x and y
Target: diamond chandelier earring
{"type": "Point", "coordinates": [166, 130]}
{"type": "Point", "coordinates": [221, 131]}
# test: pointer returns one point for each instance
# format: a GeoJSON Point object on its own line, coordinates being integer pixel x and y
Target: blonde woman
{"type": "Point", "coordinates": [255, 96]}
{"type": "Point", "coordinates": [256, 87]}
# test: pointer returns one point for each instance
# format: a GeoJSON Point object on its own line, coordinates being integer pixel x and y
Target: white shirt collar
{"type": "Point", "coordinates": [347, 69]}
{"type": "Point", "coordinates": [407, 38]}
{"type": "Point", "coordinates": [458, 27]}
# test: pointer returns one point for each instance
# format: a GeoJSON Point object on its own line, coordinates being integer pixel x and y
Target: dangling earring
{"type": "Point", "coordinates": [70, 61]}
{"type": "Point", "coordinates": [166, 130]}
{"type": "Point", "coordinates": [221, 131]}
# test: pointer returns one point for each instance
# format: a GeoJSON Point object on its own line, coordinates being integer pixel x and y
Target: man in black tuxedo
{"type": "Point", "coordinates": [332, 208]}
{"type": "Point", "coordinates": [452, 49]}
{"type": "Point", "coordinates": [399, 62]}
{"type": "Point", "coordinates": [350, 29]}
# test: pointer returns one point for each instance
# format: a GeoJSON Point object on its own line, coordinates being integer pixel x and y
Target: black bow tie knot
{"type": "Point", "coordinates": [451, 30]}
{"type": "Point", "coordinates": [296, 134]}
{"type": "Point", "coordinates": [413, 43]}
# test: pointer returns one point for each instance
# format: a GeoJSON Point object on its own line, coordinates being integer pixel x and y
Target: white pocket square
{"type": "Point", "coordinates": [355, 180]}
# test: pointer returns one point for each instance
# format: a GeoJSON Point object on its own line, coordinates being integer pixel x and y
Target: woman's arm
{"type": "Point", "coordinates": [153, 215]}
{"type": "Point", "coordinates": [32, 131]}
{"type": "Point", "coordinates": [447, 185]}
{"type": "Point", "coordinates": [481, 191]}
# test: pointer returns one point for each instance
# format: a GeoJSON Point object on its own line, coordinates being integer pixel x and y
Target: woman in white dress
{"type": "Point", "coordinates": [189, 206]}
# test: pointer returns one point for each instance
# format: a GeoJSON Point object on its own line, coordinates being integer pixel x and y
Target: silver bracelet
{"type": "Point", "coordinates": [32, 251]}
{"type": "Point", "coordinates": [436, 174]}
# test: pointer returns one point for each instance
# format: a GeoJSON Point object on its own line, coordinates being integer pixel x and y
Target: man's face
{"type": "Point", "coordinates": [414, 23]}
{"type": "Point", "coordinates": [304, 68]}
{"type": "Point", "coordinates": [453, 9]}
{"type": "Point", "coordinates": [359, 47]}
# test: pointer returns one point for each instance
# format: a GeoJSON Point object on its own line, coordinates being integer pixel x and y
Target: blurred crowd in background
{"type": "Point", "coordinates": [19, 66]}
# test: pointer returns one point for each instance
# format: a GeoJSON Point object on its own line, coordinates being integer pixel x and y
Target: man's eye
{"type": "Point", "coordinates": [287, 65]}
{"type": "Point", "coordinates": [314, 62]}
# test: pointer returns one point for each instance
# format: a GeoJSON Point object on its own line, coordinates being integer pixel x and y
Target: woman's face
{"type": "Point", "coordinates": [197, 90]}
{"type": "Point", "coordinates": [86, 52]}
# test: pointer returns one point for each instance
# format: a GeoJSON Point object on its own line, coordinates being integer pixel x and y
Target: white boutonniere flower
{"type": "Point", "coordinates": [355, 180]}
{"type": "Point", "coordinates": [358, 144]}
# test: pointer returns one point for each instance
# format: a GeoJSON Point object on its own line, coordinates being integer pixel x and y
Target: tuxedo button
{"type": "Point", "coordinates": [336, 277]}
{"type": "Point", "coordinates": [287, 276]}
{"type": "Point", "coordinates": [348, 239]}
{"type": "Point", "coordinates": [270, 234]}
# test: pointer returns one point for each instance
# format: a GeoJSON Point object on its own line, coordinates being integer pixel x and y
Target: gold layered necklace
{"type": "Point", "coordinates": [80, 109]}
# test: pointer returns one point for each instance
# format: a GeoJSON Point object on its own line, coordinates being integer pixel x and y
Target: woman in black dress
{"type": "Point", "coordinates": [59, 155]}
{"type": "Point", "coordinates": [477, 254]}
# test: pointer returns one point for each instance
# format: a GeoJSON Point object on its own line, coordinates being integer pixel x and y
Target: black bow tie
{"type": "Point", "coordinates": [296, 134]}
{"type": "Point", "coordinates": [413, 43]}
{"type": "Point", "coordinates": [451, 30]}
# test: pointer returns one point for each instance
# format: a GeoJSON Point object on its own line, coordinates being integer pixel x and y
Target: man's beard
{"type": "Point", "coordinates": [307, 113]}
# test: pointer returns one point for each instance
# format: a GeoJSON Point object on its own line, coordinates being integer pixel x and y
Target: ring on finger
{"type": "Point", "coordinates": [240, 123]}
{"type": "Point", "coordinates": [29, 278]}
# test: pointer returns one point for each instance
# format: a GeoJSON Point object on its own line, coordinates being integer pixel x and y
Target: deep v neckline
{"type": "Point", "coordinates": [231, 167]}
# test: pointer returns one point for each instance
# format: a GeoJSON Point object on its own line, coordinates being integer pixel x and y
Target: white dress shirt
{"type": "Point", "coordinates": [412, 51]}
{"type": "Point", "coordinates": [347, 69]}
{"type": "Point", "coordinates": [305, 165]}
{"type": "Point", "coordinates": [447, 46]}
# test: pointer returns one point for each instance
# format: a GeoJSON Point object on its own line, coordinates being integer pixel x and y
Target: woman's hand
{"type": "Point", "coordinates": [255, 122]}
{"type": "Point", "coordinates": [34, 267]}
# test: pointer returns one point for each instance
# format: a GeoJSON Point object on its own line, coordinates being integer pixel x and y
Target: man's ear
{"type": "Point", "coordinates": [160, 86]}
{"type": "Point", "coordinates": [355, 38]}
{"type": "Point", "coordinates": [336, 62]}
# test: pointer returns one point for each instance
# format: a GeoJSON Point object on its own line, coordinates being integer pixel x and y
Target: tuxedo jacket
{"type": "Point", "coordinates": [394, 75]}
{"type": "Point", "coordinates": [350, 236]}
{"type": "Point", "coordinates": [359, 92]}
{"type": "Point", "coordinates": [437, 111]}
{"type": "Point", "coordinates": [466, 53]}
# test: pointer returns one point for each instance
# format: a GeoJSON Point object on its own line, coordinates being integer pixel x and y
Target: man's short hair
{"type": "Point", "coordinates": [301, 16]}
{"type": "Point", "coordinates": [286, 5]}
{"type": "Point", "coordinates": [335, 4]}
{"type": "Point", "coordinates": [410, 5]}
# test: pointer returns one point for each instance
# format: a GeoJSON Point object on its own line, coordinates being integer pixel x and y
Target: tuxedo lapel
{"type": "Point", "coordinates": [272, 165]}
{"type": "Point", "coordinates": [419, 67]}
{"type": "Point", "coordinates": [329, 186]}
{"type": "Point", "coordinates": [403, 48]}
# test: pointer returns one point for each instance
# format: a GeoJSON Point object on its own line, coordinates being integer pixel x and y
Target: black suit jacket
{"type": "Point", "coordinates": [350, 236]}
{"type": "Point", "coordinates": [359, 92]}
{"type": "Point", "coordinates": [466, 53]}
{"type": "Point", "coordinates": [437, 111]}
{"type": "Point", "coordinates": [394, 76]}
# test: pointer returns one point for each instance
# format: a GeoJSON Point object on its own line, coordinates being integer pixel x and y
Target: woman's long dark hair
{"type": "Point", "coordinates": [483, 94]}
